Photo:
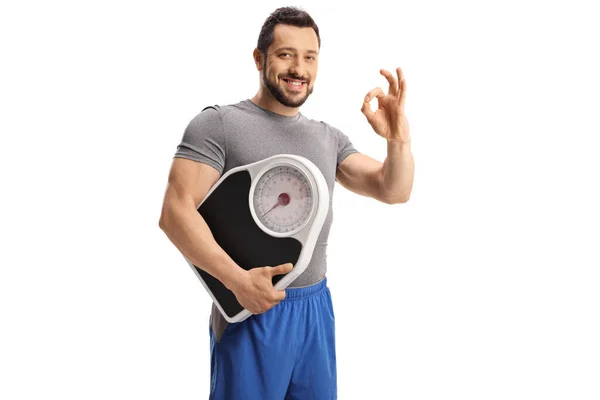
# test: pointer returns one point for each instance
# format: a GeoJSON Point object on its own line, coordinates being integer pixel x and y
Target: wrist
{"type": "Point", "coordinates": [235, 276]}
{"type": "Point", "coordinates": [396, 137]}
{"type": "Point", "coordinates": [225, 270]}
{"type": "Point", "coordinates": [399, 142]}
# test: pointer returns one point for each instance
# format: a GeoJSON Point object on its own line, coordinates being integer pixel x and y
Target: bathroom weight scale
{"type": "Point", "coordinates": [264, 214]}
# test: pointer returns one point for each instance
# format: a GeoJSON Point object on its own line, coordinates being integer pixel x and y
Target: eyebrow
{"type": "Point", "coordinates": [294, 50]}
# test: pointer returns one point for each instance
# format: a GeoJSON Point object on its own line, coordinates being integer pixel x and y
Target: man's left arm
{"type": "Point", "coordinates": [391, 181]}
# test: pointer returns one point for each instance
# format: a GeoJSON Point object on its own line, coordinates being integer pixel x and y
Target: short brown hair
{"type": "Point", "coordinates": [288, 16]}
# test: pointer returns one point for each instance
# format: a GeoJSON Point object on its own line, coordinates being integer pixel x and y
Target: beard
{"type": "Point", "coordinates": [279, 94]}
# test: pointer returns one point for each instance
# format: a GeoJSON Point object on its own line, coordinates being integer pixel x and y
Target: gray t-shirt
{"type": "Point", "coordinates": [226, 137]}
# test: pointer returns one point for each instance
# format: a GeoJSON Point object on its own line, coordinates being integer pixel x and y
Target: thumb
{"type": "Point", "coordinates": [366, 110]}
{"type": "Point", "coordinates": [366, 107]}
{"type": "Point", "coordinates": [282, 269]}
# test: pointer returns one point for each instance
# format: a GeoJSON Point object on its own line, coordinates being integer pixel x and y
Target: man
{"type": "Point", "coordinates": [286, 349]}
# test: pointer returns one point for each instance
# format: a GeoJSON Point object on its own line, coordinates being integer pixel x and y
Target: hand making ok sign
{"type": "Point", "coordinates": [389, 120]}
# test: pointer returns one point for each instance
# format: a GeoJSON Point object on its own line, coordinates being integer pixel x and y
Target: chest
{"type": "Point", "coordinates": [317, 145]}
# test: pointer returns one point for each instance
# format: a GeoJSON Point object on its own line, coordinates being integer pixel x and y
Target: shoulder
{"type": "Point", "coordinates": [335, 132]}
{"type": "Point", "coordinates": [324, 126]}
{"type": "Point", "coordinates": [215, 114]}
{"type": "Point", "coordinates": [208, 117]}
{"type": "Point", "coordinates": [220, 110]}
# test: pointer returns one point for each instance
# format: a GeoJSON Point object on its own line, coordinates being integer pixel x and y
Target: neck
{"type": "Point", "coordinates": [264, 99]}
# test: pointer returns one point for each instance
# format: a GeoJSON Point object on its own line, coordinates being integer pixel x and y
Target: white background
{"type": "Point", "coordinates": [483, 286]}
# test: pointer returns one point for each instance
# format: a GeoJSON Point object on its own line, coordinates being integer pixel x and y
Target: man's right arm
{"type": "Point", "coordinates": [189, 182]}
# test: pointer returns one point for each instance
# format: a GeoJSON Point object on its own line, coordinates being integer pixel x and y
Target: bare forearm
{"type": "Point", "coordinates": [398, 172]}
{"type": "Point", "coordinates": [189, 232]}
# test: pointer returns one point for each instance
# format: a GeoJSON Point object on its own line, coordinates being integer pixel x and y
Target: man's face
{"type": "Point", "coordinates": [290, 68]}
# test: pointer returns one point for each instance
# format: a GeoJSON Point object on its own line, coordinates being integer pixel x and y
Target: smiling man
{"type": "Point", "coordinates": [282, 89]}
{"type": "Point", "coordinates": [286, 349]}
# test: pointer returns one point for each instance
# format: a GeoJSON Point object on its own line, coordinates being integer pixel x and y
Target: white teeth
{"type": "Point", "coordinates": [295, 83]}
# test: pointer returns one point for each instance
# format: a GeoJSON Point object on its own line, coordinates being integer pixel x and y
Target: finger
{"type": "Point", "coordinates": [400, 74]}
{"type": "Point", "coordinates": [393, 89]}
{"type": "Point", "coordinates": [402, 95]}
{"type": "Point", "coordinates": [280, 295]}
{"type": "Point", "coordinates": [281, 269]}
{"type": "Point", "coordinates": [366, 107]}
{"type": "Point", "coordinates": [377, 92]}
{"type": "Point", "coordinates": [402, 88]}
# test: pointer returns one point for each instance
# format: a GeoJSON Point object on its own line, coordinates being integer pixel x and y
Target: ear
{"type": "Point", "coordinates": [257, 59]}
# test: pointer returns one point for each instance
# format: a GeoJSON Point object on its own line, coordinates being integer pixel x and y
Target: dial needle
{"type": "Point", "coordinates": [282, 200]}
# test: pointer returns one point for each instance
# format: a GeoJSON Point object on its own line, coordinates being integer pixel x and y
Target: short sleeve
{"type": "Point", "coordinates": [344, 145]}
{"type": "Point", "coordinates": [204, 140]}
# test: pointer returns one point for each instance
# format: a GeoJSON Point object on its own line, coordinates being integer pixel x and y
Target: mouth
{"type": "Point", "coordinates": [294, 84]}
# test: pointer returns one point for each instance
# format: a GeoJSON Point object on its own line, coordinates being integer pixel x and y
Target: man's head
{"type": "Point", "coordinates": [287, 52]}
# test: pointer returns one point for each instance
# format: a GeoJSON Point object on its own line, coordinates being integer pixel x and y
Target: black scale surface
{"type": "Point", "coordinates": [227, 214]}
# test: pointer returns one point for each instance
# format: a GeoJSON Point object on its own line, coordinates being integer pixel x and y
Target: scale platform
{"type": "Point", "coordinates": [264, 214]}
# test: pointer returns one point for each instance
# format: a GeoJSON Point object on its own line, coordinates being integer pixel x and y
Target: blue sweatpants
{"type": "Point", "coordinates": [285, 353]}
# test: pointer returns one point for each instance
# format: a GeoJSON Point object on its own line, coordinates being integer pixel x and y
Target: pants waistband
{"type": "Point", "coordinates": [292, 293]}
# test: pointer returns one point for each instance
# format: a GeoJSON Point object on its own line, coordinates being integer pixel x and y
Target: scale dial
{"type": "Point", "coordinates": [283, 199]}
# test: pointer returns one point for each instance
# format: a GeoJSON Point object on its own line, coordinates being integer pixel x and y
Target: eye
{"type": "Point", "coordinates": [311, 58]}
{"type": "Point", "coordinates": [285, 54]}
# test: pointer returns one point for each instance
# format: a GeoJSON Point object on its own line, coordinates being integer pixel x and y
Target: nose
{"type": "Point", "coordinates": [296, 68]}
{"type": "Point", "coordinates": [298, 72]}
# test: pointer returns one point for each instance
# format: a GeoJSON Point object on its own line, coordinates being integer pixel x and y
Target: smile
{"type": "Point", "coordinates": [293, 84]}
